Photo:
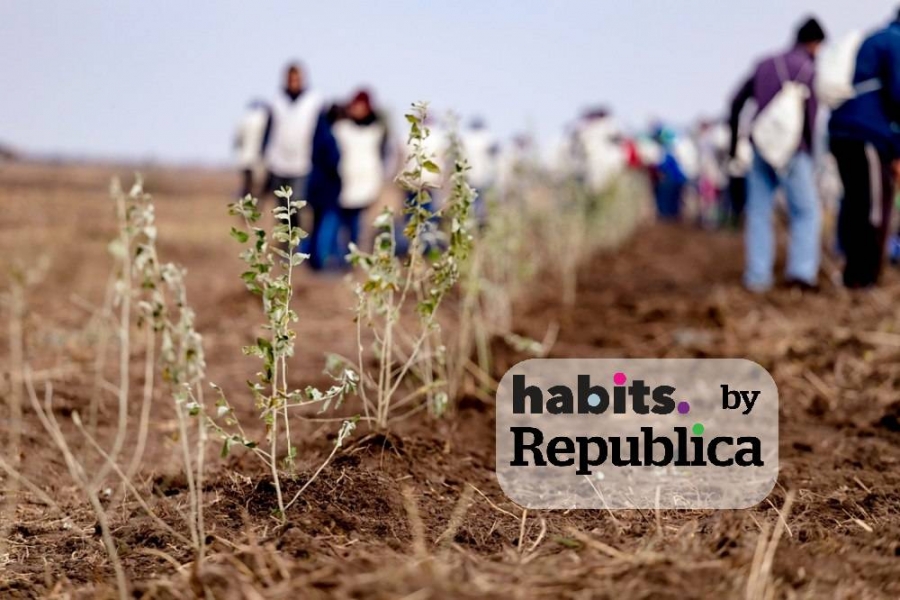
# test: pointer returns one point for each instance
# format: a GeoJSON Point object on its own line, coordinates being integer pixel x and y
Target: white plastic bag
{"type": "Point", "coordinates": [835, 69]}
{"type": "Point", "coordinates": [778, 129]}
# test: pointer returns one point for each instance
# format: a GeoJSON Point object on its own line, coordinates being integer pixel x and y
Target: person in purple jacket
{"type": "Point", "coordinates": [804, 210]}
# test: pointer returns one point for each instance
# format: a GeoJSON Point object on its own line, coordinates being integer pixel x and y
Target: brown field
{"type": "Point", "coordinates": [418, 513]}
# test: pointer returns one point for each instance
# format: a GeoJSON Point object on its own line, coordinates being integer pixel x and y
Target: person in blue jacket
{"type": "Point", "coordinates": [865, 141]}
{"type": "Point", "coordinates": [668, 178]}
{"type": "Point", "coordinates": [323, 192]}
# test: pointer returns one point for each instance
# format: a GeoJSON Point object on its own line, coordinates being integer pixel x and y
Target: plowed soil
{"type": "Point", "coordinates": [418, 513]}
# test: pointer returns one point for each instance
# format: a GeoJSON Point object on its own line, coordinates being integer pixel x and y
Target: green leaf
{"type": "Point", "coordinates": [431, 167]}
{"type": "Point", "coordinates": [264, 344]}
{"type": "Point", "coordinates": [239, 235]}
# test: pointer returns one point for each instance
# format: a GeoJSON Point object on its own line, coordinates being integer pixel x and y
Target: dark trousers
{"type": "Point", "coordinates": [737, 196]}
{"type": "Point", "coordinates": [328, 244]}
{"type": "Point", "coordinates": [246, 182]}
{"type": "Point", "coordinates": [321, 241]}
{"type": "Point", "coordinates": [348, 222]}
{"type": "Point", "coordinates": [867, 179]}
{"type": "Point", "coordinates": [668, 194]}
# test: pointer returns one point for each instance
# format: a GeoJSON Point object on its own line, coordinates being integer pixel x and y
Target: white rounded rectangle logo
{"type": "Point", "coordinates": [637, 433]}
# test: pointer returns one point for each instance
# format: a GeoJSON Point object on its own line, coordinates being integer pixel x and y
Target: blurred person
{"type": "Point", "coordinates": [712, 147]}
{"type": "Point", "coordinates": [481, 151]}
{"type": "Point", "coordinates": [797, 64]}
{"type": "Point", "coordinates": [647, 152]}
{"type": "Point", "coordinates": [738, 167]}
{"type": "Point", "coordinates": [295, 114]}
{"type": "Point", "coordinates": [865, 140]}
{"type": "Point", "coordinates": [632, 155]}
{"type": "Point", "coordinates": [667, 175]}
{"type": "Point", "coordinates": [831, 191]}
{"type": "Point", "coordinates": [323, 191]}
{"type": "Point", "coordinates": [516, 167]}
{"type": "Point", "coordinates": [740, 156]}
{"type": "Point", "coordinates": [362, 139]}
{"type": "Point", "coordinates": [597, 145]}
{"type": "Point", "coordinates": [563, 160]}
{"type": "Point", "coordinates": [248, 146]}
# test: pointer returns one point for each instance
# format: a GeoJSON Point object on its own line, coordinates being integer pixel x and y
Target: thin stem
{"type": "Point", "coordinates": [127, 481]}
{"type": "Point", "coordinates": [146, 402]}
{"type": "Point", "coordinates": [32, 487]}
{"type": "Point", "coordinates": [201, 455]}
{"type": "Point", "coordinates": [188, 467]}
{"type": "Point", "coordinates": [313, 478]}
{"type": "Point", "coordinates": [360, 368]}
{"type": "Point", "coordinates": [100, 359]}
{"type": "Point", "coordinates": [285, 323]}
{"type": "Point", "coordinates": [124, 343]}
{"type": "Point", "coordinates": [384, 384]}
{"type": "Point", "coordinates": [273, 463]}
{"type": "Point", "coordinates": [48, 420]}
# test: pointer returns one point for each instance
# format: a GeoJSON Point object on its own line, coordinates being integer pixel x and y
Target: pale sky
{"type": "Point", "coordinates": [167, 80]}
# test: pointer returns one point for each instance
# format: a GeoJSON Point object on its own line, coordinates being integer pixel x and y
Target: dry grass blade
{"type": "Point", "coordinates": [416, 525]}
{"type": "Point", "coordinates": [601, 547]}
{"type": "Point", "coordinates": [759, 583]}
{"type": "Point", "coordinates": [457, 517]}
{"type": "Point", "coordinates": [76, 470]}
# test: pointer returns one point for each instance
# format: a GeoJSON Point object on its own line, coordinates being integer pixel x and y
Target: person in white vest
{"type": "Point", "coordinates": [598, 150]}
{"type": "Point", "coordinates": [248, 146]}
{"type": "Point", "coordinates": [361, 136]}
{"type": "Point", "coordinates": [288, 141]}
{"type": "Point", "coordinates": [481, 151]}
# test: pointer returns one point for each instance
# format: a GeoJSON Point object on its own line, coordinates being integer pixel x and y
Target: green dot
{"type": "Point", "coordinates": [697, 429]}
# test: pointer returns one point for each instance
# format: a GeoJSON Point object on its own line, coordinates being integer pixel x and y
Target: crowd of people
{"type": "Point", "coordinates": [817, 123]}
{"type": "Point", "coordinates": [854, 87]}
{"type": "Point", "coordinates": [338, 156]}
{"type": "Point", "coordinates": [332, 155]}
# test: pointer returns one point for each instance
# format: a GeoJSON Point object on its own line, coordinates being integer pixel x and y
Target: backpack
{"type": "Point", "coordinates": [836, 67]}
{"type": "Point", "coordinates": [778, 128]}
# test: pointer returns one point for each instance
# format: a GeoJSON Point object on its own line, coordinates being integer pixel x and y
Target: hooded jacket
{"type": "Point", "coordinates": [324, 185]}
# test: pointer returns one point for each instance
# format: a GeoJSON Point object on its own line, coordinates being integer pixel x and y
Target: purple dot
{"type": "Point", "coordinates": [619, 378]}
{"type": "Point", "coordinates": [684, 408]}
